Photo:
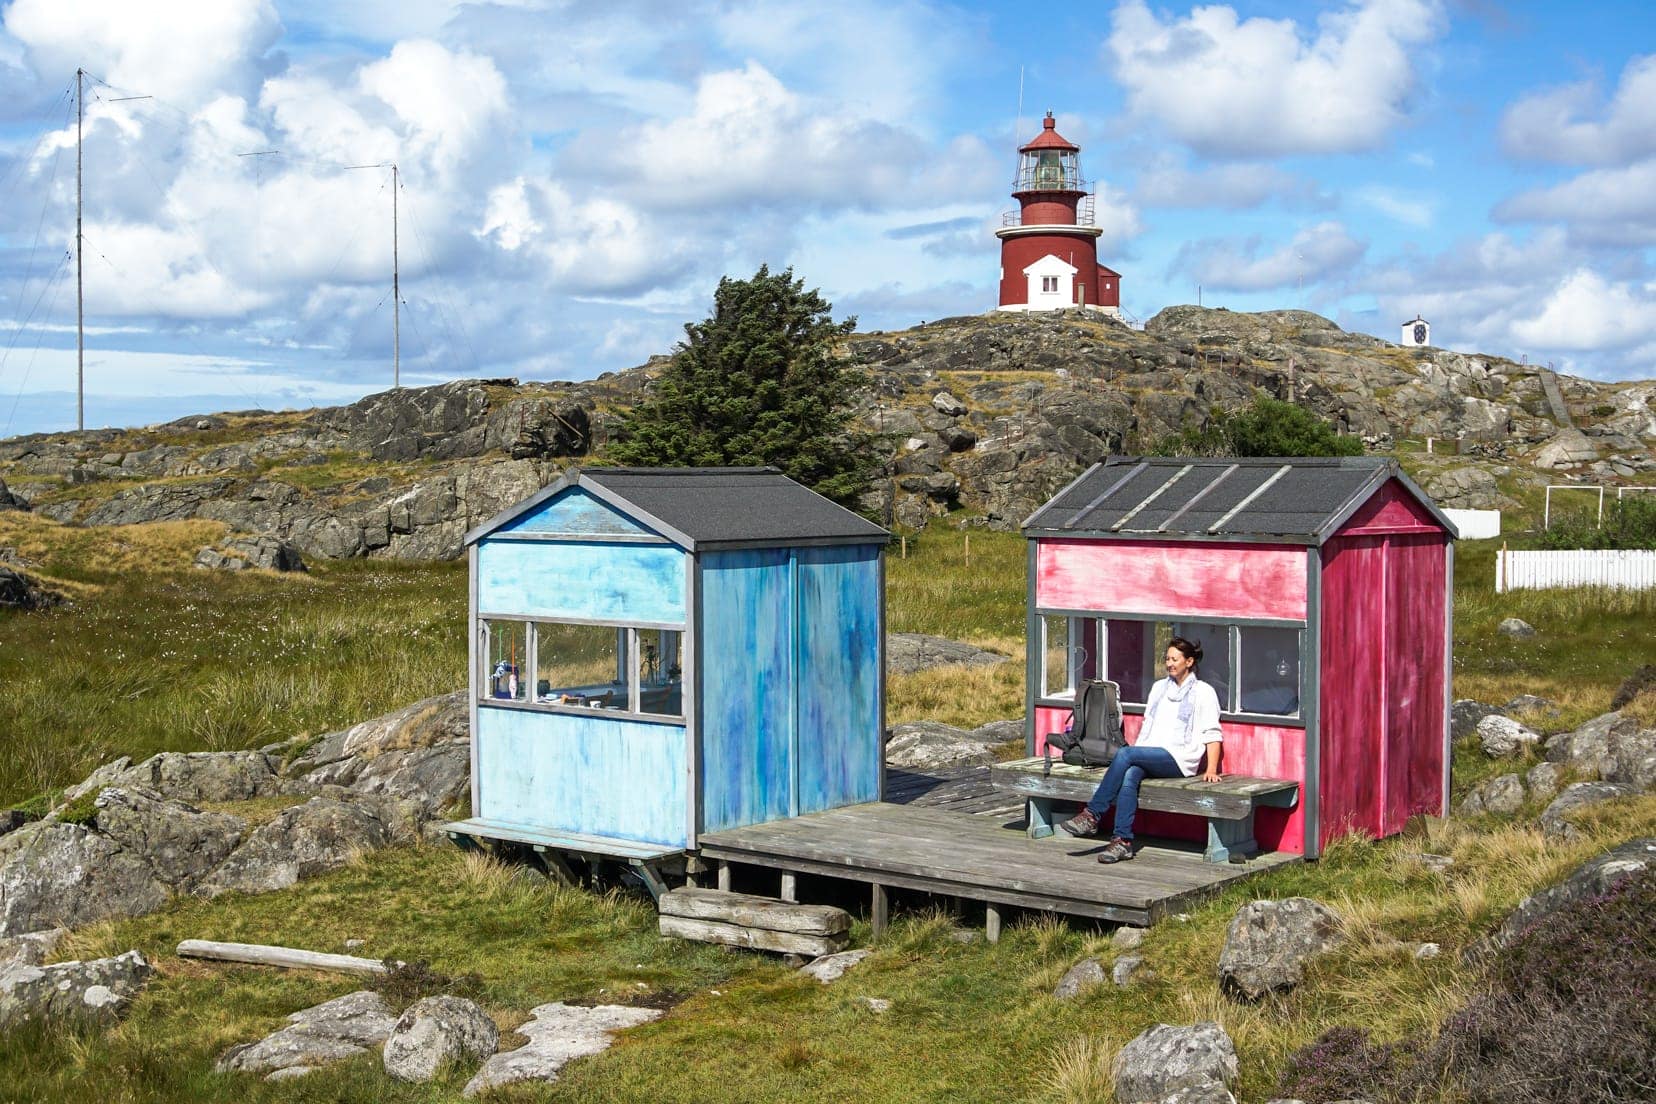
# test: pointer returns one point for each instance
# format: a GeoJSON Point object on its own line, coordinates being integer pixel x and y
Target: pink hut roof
{"type": "Point", "coordinates": [1049, 138]}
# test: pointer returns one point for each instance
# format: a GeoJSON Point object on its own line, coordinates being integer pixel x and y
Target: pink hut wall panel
{"type": "Point", "coordinates": [1171, 578]}
{"type": "Point", "coordinates": [1351, 721]}
{"type": "Point", "coordinates": [1259, 750]}
{"type": "Point", "coordinates": [1415, 598]}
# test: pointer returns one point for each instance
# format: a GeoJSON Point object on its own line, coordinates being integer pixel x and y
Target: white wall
{"type": "Point", "coordinates": [1476, 524]}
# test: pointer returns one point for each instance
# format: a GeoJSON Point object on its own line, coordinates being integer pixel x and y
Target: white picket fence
{"type": "Point", "coordinates": [1634, 570]}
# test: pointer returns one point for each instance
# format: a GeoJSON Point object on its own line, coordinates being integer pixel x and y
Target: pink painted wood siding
{"type": "Point", "coordinates": [1352, 713]}
{"type": "Point", "coordinates": [1415, 597]}
{"type": "Point", "coordinates": [1391, 509]}
{"type": "Point", "coordinates": [1263, 751]}
{"type": "Point", "coordinates": [1171, 578]}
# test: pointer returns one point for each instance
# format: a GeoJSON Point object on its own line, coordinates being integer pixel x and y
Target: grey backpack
{"type": "Point", "coordinates": [1095, 735]}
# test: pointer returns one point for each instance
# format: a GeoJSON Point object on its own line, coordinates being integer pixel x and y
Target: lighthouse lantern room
{"type": "Point", "coordinates": [1049, 246]}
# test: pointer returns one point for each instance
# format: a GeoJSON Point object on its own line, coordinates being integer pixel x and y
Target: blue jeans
{"type": "Point", "coordinates": [1120, 787]}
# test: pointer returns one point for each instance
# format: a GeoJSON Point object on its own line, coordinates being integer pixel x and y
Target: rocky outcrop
{"type": "Point", "coordinates": [179, 842]}
{"type": "Point", "coordinates": [435, 1033]}
{"type": "Point", "coordinates": [1166, 1059]}
{"type": "Point", "coordinates": [54, 874]}
{"type": "Point", "coordinates": [909, 653]}
{"type": "Point", "coordinates": [205, 776]}
{"type": "Point", "coordinates": [558, 1034]}
{"type": "Point", "coordinates": [341, 1028]}
{"type": "Point", "coordinates": [246, 553]}
{"type": "Point", "coordinates": [24, 592]}
{"type": "Point", "coordinates": [830, 968]}
{"type": "Point", "coordinates": [97, 990]}
{"type": "Point", "coordinates": [322, 834]}
{"type": "Point", "coordinates": [929, 745]}
{"type": "Point", "coordinates": [1555, 818]}
{"type": "Point", "coordinates": [1269, 944]}
{"type": "Point", "coordinates": [1592, 878]}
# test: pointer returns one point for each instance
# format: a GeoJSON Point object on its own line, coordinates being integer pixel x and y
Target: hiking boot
{"type": "Point", "coordinates": [1117, 850]}
{"type": "Point", "coordinates": [1084, 824]}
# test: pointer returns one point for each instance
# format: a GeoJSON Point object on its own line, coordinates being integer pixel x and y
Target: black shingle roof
{"type": "Point", "coordinates": [716, 507]}
{"type": "Point", "coordinates": [1297, 499]}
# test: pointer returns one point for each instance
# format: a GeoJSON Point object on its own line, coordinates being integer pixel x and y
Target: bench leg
{"type": "Point", "coordinates": [1230, 837]}
{"type": "Point", "coordinates": [1040, 817]}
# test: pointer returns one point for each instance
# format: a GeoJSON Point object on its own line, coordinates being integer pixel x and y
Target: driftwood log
{"type": "Point", "coordinates": [292, 958]}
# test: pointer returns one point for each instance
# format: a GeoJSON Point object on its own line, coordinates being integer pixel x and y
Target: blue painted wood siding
{"type": "Point", "coordinates": [838, 669]}
{"type": "Point", "coordinates": [577, 513]}
{"type": "Point", "coordinates": [599, 776]}
{"type": "Point", "coordinates": [790, 682]}
{"type": "Point", "coordinates": [581, 579]}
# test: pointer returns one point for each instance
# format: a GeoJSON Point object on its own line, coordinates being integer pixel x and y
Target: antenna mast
{"type": "Point", "coordinates": [80, 281]}
{"type": "Point", "coordinates": [396, 290]}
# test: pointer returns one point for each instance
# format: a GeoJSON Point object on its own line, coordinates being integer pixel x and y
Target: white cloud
{"type": "Point", "coordinates": [1604, 207]}
{"type": "Point", "coordinates": [184, 53]}
{"type": "Point", "coordinates": [584, 246]}
{"type": "Point", "coordinates": [1556, 124]}
{"type": "Point", "coordinates": [1260, 87]}
{"type": "Point", "coordinates": [1398, 205]}
{"type": "Point", "coordinates": [1165, 180]}
{"type": "Point", "coordinates": [1316, 253]}
{"type": "Point", "coordinates": [1586, 312]}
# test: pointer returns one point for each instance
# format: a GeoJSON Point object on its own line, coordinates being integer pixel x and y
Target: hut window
{"type": "Point", "coordinates": [660, 672]}
{"type": "Point", "coordinates": [584, 665]}
{"type": "Point", "coordinates": [1070, 653]}
{"type": "Point", "coordinates": [1269, 671]}
{"type": "Point", "coordinates": [1216, 656]}
{"type": "Point", "coordinates": [505, 647]}
{"type": "Point", "coordinates": [1136, 649]}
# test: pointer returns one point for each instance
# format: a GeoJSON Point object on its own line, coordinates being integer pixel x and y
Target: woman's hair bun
{"type": "Point", "coordinates": [1192, 650]}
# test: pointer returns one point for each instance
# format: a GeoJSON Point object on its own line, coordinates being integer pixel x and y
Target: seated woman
{"type": "Point", "coordinates": [1180, 731]}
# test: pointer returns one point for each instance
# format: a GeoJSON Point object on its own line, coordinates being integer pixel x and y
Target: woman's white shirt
{"type": "Point", "coordinates": [1182, 720]}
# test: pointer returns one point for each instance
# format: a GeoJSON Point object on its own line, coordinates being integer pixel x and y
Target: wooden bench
{"type": "Point", "coordinates": [1227, 805]}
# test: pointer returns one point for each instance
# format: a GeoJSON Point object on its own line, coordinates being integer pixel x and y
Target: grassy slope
{"type": "Point", "coordinates": [969, 1022]}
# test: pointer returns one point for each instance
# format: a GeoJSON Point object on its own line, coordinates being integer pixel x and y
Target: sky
{"type": "Point", "coordinates": [573, 178]}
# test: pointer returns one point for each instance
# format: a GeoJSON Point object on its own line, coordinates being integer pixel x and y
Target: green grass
{"type": "Point", "coordinates": [154, 655]}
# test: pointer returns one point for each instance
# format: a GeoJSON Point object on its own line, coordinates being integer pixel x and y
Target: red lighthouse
{"type": "Point", "coordinates": [1049, 246]}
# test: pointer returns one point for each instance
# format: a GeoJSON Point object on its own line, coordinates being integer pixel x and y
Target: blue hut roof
{"type": "Point", "coordinates": [703, 508]}
{"type": "Point", "coordinates": [1296, 500]}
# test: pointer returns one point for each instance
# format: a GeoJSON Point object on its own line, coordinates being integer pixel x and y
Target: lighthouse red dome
{"type": "Point", "coordinates": [1049, 246]}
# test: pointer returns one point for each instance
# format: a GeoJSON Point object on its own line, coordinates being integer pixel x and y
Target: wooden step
{"type": "Point", "coordinates": [758, 923]}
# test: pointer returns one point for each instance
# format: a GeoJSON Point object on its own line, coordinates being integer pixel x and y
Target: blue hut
{"type": "Point", "coordinates": [662, 652]}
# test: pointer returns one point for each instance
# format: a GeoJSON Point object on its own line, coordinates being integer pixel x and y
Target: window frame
{"type": "Point", "coordinates": [1228, 710]}
{"type": "Point", "coordinates": [632, 711]}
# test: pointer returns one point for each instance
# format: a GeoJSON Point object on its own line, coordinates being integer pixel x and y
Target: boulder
{"type": "Point", "coordinates": [558, 1034]}
{"type": "Point", "coordinates": [1269, 943]}
{"type": "Point", "coordinates": [30, 948]}
{"type": "Point", "coordinates": [1166, 1059]}
{"type": "Point", "coordinates": [106, 775]}
{"type": "Point", "coordinates": [1465, 714]}
{"type": "Point", "coordinates": [435, 1033]}
{"type": "Point", "coordinates": [1566, 449]}
{"type": "Point", "coordinates": [908, 653]}
{"type": "Point", "coordinates": [244, 553]}
{"type": "Point", "coordinates": [1127, 969]}
{"type": "Point", "coordinates": [320, 835]}
{"type": "Point", "coordinates": [341, 1028]}
{"type": "Point", "coordinates": [24, 592]}
{"type": "Point", "coordinates": [1516, 627]}
{"type": "Point", "coordinates": [1588, 750]}
{"type": "Point", "coordinates": [1502, 736]}
{"type": "Point", "coordinates": [1214, 1093]}
{"type": "Point", "coordinates": [927, 745]}
{"type": "Point", "coordinates": [1593, 878]}
{"type": "Point", "coordinates": [99, 989]}
{"type": "Point", "coordinates": [1543, 780]}
{"type": "Point", "coordinates": [178, 841]}
{"type": "Point", "coordinates": [1127, 939]}
{"type": "Point", "coordinates": [1504, 795]}
{"type": "Point", "coordinates": [945, 403]}
{"type": "Point", "coordinates": [830, 968]}
{"type": "Point", "coordinates": [1082, 976]}
{"type": "Point", "coordinates": [10, 501]}
{"type": "Point", "coordinates": [1555, 823]}
{"type": "Point", "coordinates": [1530, 703]}
{"type": "Point", "coordinates": [425, 781]}
{"type": "Point", "coordinates": [54, 874]}
{"type": "Point", "coordinates": [1637, 683]}
{"type": "Point", "coordinates": [999, 732]}
{"type": "Point", "coordinates": [427, 723]}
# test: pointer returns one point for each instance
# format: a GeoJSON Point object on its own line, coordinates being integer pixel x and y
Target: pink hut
{"type": "Point", "coordinates": [1319, 590]}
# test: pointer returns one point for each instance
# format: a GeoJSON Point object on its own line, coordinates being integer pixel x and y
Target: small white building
{"type": "Point", "coordinates": [1417, 333]}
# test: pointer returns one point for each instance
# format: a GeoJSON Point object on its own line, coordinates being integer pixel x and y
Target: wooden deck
{"type": "Point", "coordinates": [949, 833]}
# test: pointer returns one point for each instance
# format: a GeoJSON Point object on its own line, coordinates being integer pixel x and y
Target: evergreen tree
{"type": "Point", "coordinates": [757, 382]}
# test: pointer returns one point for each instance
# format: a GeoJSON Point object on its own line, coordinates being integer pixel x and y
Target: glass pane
{"type": "Point", "coordinates": [581, 665]}
{"type": "Point", "coordinates": [1270, 671]}
{"type": "Point", "coordinates": [1216, 664]}
{"type": "Point", "coordinates": [1127, 646]}
{"type": "Point", "coordinates": [506, 650]}
{"type": "Point", "coordinates": [1055, 663]}
{"type": "Point", "coordinates": [660, 672]}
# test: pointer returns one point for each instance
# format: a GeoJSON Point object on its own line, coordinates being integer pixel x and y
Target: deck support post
{"type": "Point", "coordinates": [880, 910]}
{"type": "Point", "coordinates": [991, 922]}
{"type": "Point", "coordinates": [790, 887]}
{"type": "Point", "coordinates": [554, 866]}
{"type": "Point", "coordinates": [724, 876]}
{"type": "Point", "coordinates": [694, 867]}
